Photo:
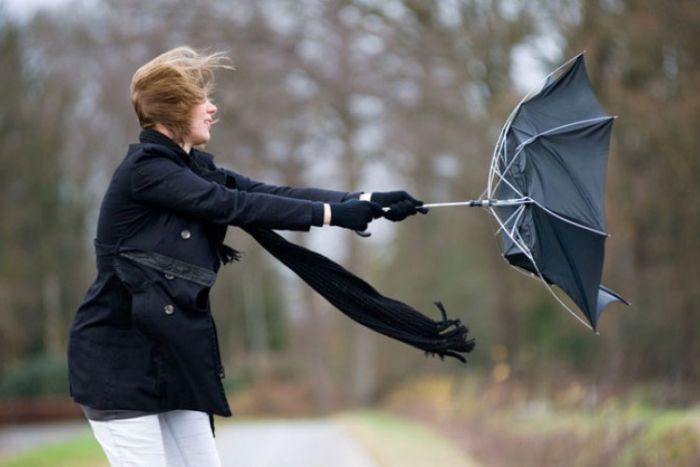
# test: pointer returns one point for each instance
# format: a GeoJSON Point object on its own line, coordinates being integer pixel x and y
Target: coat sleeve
{"type": "Point", "coordinates": [312, 194]}
{"type": "Point", "coordinates": [158, 180]}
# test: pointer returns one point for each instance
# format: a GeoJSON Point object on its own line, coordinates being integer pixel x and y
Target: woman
{"type": "Point", "coordinates": [143, 354]}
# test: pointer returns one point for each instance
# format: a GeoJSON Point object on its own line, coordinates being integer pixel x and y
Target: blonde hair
{"type": "Point", "coordinates": [164, 90]}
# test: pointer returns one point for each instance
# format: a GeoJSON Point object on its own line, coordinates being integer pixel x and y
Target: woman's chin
{"type": "Point", "coordinates": [201, 140]}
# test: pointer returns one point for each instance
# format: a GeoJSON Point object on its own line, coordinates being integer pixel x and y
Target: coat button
{"type": "Point", "coordinates": [169, 309]}
{"type": "Point", "coordinates": [185, 234]}
{"type": "Point", "coordinates": [169, 276]}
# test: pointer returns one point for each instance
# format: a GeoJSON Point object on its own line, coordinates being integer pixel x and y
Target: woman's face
{"type": "Point", "coordinates": [201, 119]}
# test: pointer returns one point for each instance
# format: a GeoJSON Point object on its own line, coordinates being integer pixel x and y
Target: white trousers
{"type": "Point", "coordinates": [179, 438]}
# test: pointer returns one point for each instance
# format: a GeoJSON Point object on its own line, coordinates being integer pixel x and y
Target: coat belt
{"type": "Point", "coordinates": [159, 262]}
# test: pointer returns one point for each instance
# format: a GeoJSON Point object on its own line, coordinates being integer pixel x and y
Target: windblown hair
{"type": "Point", "coordinates": [166, 89]}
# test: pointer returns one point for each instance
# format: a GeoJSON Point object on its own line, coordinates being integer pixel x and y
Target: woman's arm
{"type": "Point", "coordinates": [160, 181]}
{"type": "Point", "coordinates": [311, 194]}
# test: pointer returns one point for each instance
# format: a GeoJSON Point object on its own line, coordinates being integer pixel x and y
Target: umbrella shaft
{"type": "Point", "coordinates": [479, 203]}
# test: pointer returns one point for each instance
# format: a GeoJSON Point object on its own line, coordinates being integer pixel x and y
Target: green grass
{"type": "Point", "coordinates": [396, 441]}
{"type": "Point", "coordinates": [83, 451]}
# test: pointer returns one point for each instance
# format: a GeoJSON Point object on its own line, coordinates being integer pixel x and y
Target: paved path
{"type": "Point", "coordinates": [289, 443]}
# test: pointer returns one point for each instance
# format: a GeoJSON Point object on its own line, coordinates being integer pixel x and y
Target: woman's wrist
{"type": "Point", "coordinates": [326, 214]}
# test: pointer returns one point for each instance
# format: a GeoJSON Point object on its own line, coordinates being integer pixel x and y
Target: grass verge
{"type": "Point", "coordinates": [511, 424]}
{"type": "Point", "coordinates": [83, 451]}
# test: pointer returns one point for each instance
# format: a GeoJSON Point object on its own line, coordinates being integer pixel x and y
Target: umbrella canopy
{"type": "Point", "coordinates": [548, 170]}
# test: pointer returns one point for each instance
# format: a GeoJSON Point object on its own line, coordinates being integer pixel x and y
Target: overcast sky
{"type": "Point", "coordinates": [24, 8]}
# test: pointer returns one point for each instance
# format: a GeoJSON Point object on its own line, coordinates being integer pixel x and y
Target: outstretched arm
{"type": "Point", "coordinates": [311, 194]}
{"type": "Point", "coordinates": [158, 180]}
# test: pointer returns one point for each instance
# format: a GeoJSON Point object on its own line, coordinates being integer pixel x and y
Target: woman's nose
{"type": "Point", "coordinates": [212, 109]}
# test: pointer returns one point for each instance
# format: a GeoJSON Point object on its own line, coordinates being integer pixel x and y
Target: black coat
{"type": "Point", "coordinates": [144, 337]}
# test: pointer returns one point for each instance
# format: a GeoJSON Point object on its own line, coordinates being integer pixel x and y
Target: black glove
{"type": "Point", "coordinates": [354, 214]}
{"type": "Point", "coordinates": [401, 210]}
{"type": "Point", "coordinates": [387, 198]}
{"type": "Point", "coordinates": [400, 204]}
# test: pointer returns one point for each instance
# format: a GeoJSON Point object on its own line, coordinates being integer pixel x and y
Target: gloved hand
{"type": "Point", "coordinates": [401, 210]}
{"type": "Point", "coordinates": [354, 214]}
{"type": "Point", "coordinates": [387, 198]}
{"type": "Point", "coordinates": [400, 204]}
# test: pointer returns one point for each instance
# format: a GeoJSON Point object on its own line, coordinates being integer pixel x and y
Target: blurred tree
{"type": "Point", "coordinates": [41, 241]}
{"type": "Point", "coordinates": [12, 83]}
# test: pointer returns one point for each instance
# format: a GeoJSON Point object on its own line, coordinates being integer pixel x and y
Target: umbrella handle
{"type": "Point", "coordinates": [481, 203]}
{"type": "Point", "coordinates": [471, 203]}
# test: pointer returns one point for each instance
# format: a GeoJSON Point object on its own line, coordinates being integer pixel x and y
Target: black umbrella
{"type": "Point", "coordinates": [546, 188]}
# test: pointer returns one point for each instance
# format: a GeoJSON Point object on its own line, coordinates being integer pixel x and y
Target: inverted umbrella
{"type": "Point", "coordinates": [546, 188]}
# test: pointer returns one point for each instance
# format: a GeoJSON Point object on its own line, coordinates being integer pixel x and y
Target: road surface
{"type": "Point", "coordinates": [289, 443]}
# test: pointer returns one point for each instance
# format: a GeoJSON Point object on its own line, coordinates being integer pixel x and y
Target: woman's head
{"type": "Point", "coordinates": [172, 92]}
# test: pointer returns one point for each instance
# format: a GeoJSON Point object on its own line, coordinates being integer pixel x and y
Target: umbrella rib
{"type": "Point", "coordinates": [499, 176]}
{"type": "Point", "coordinates": [517, 220]}
{"type": "Point", "coordinates": [563, 127]}
{"type": "Point", "coordinates": [502, 178]}
{"type": "Point", "coordinates": [582, 194]}
{"type": "Point", "coordinates": [569, 221]}
{"type": "Point", "coordinates": [529, 256]}
{"type": "Point", "coordinates": [524, 247]}
{"type": "Point", "coordinates": [515, 213]}
{"type": "Point", "coordinates": [561, 302]}
{"type": "Point", "coordinates": [497, 149]}
{"type": "Point", "coordinates": [520, 243]}
{"type": "Point", "coordinates": [538, 277]}
{"type": "Point", "coordinates": [518, 214]}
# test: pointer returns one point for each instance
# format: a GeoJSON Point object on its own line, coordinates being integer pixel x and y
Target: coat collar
{"type": "Point", "coordinates": [198, 161]}
{"type": "Point", "coordinates": [155, 137]}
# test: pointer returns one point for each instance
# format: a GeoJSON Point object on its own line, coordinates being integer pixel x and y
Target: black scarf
{"type": "Point", "coordinates": [347, 292]}
{"type": "Point", "coordinates": [361, 302]}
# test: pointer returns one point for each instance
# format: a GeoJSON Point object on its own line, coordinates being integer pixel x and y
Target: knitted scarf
{"type": "Point", "coordinates": [361, 302]}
